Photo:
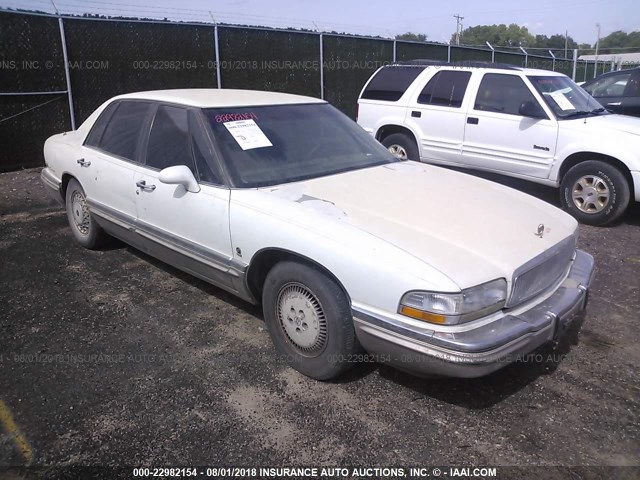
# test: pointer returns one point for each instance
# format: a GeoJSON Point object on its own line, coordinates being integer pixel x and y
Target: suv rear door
{"type": "Point", "coordinates": [498, 137]}
{"type": "Point", "coordinates": [437, 115]}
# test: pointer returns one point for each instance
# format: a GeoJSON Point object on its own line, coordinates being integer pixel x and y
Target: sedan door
{"type": "Point", "coordinates": [609, 90]}
{"type": "Point", "coordinates": [631, 98]}
{"type": "Point", "coordinates": [189, 229]}
{"type": "Point", "coordinates": [110, 156]}
{"type": "Point", "coordinates": [501, 136]}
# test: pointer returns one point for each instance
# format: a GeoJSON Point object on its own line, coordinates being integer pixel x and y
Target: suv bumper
{"type": "Point", "coordinates": [478, 351]}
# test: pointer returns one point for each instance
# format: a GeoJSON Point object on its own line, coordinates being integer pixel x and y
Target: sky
{"type": "Point", "coordinates": [377, 17]}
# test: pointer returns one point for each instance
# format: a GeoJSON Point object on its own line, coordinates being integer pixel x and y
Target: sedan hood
{"type": "Point", "coordinates": [470, 229]}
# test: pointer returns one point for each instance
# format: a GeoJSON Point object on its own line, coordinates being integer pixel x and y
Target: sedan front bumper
{"type": "Point", "coordinates": [475, 352]}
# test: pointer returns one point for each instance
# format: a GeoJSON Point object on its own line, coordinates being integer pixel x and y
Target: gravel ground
{"type": "Point", "coordinates": [113, 358]}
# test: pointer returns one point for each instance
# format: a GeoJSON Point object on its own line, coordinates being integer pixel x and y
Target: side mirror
{"type": "Point", "coordinates": [532, 110]}
{"type": "Point", "coordinates": [180, 175]}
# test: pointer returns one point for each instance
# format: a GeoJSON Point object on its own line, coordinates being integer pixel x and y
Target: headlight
{"type": "Point", "coordinates": [454, 308]}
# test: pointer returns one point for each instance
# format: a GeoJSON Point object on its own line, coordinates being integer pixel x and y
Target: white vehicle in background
{"type": "Point", "coordinates": [531, 124]}
{"type": "Point", "coordinates": [282, 200]}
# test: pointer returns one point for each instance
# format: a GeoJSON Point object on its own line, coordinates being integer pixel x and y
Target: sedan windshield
{"type": "Point", "coordinates": [270, 145]}
{"type": "Point", "coordinates": [565, 98]}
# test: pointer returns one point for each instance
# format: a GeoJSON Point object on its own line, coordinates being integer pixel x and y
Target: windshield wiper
{"type": "Point", "coordinates": [581, 113]}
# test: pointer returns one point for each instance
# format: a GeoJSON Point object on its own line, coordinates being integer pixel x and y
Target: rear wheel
{"type": "Point", "coordinates": [594, 192]}
{"type": "Point", "coordinates": [83, 227]}
{"type": "Point", "coordinates": [402, 146]}
{"type": "Point", "coordinates": [308, 317]}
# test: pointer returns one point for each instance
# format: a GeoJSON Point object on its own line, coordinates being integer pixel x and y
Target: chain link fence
{"type": "Point", "coordinates": [42, 94]}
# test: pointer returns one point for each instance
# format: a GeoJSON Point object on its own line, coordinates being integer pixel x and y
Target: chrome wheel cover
{"type": "Point", "coordinates": [590, 194]}
{"type": "Point", "coordinates": [80, 213]}
{"type": "Point", "coordinates": [301, 318]}
{"type": "Point", "coordinates": [398, 151]}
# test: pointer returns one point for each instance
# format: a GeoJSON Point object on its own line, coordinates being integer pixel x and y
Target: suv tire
{"type": "Point", "coordinates": [402, 146]}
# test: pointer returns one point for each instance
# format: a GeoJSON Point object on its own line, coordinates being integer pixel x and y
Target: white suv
{"type": "Point", "coordinates": [532, 124]}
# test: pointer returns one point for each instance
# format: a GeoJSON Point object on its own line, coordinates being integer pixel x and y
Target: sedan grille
{"type": "Point", "coordinates": [543, 272]}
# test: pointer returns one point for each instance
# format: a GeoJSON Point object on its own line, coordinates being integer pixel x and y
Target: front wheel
{"type": "Point", "coordinates": [84, 228]}
{"type": "Point", "coordinates": [308, 317]}
{"type": "Point", "coordinates": [402, 146]}
{"type": "Point", "coordinates": [594, 192]}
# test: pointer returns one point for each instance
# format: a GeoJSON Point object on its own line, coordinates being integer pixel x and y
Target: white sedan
{"type": "Point", "coordinates": [282, 200]}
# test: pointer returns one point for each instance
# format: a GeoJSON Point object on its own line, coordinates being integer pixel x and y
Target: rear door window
{"type": "Point", "coordinates": [390, 83]}
{"type": "Point", "coordinates": [121, 136]}
{"type": "Point", "coordinates": [446, 89]}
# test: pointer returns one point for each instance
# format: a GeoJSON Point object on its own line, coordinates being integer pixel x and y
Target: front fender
{"type": "Point", "coordinates": [372, 271]}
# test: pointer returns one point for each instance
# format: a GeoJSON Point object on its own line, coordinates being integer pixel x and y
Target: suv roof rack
{"type": "Point", "coordinates": [471, 64]}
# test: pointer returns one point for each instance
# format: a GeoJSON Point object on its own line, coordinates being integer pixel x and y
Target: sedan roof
{"type": "Point", "coordinates": [213, 97]}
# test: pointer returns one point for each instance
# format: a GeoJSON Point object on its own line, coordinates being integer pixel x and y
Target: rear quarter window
{"type": "Point", "coordinates": [390, 83]}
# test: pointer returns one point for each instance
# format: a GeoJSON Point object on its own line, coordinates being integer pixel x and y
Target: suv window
{"type": "Point", "coordinates": [503, 93]}
{"type": "Point", "coordinates": [122, 133]}
{"type": "Point", "coordinates": [609, 86]}
{"type": "Point", "coordinates": [446, 89]}
{"type": "Point", "coordinates": [169, 139]}
{"type": "Point", "coordinates": [390, 83]}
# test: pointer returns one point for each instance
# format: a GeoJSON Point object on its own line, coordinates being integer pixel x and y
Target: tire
{"type": "Point", "coordinates": [402, 146]}
{"type": "Point", "coordinates": [322, 346]}
{"type": "Point", "coordinates": [84, 228]}
{"type": "Point", "coordinates": [594, 192]}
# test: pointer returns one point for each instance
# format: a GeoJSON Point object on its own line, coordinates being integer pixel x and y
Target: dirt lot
{"type": "Point", "coordinates": [111, 357]}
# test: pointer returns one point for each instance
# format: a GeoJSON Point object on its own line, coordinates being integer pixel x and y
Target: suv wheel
{"type": "Point", "coordinates": [402, 146]}
{"type": "Point", "coordinates": [594, 192]}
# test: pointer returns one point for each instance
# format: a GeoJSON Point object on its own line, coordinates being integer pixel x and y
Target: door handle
{"type": "Point", "coordinates": [416, 114]}
{"type": "Point", "coordinates": [142, 185]}
{"type": "Point", "coordinates": [83, 163]}
{"type": "Point", "coordinates": [614, 104]}
{"type": "Point", "coordinates": [472, 120]}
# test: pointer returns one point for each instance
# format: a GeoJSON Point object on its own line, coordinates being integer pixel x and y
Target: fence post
{"type": "Point", "coordinates": [65, 57]}
{"type": "Point", "coordinates": [493, 53]}
{"type": "Point", "coordinates": [217, 48]}
{"type": "Point", "coordinates": [394, 50]}
{"type": "Point", "coordinates": [321, 67]}
{"type": "Point", "coordinates": [448, 53]}
{"type": "Point", "coordinates": [575, 63]}
{"type": "Point", "coordinates": [526, 57]}
{"type": "Point", "coordinates": [553, 62]}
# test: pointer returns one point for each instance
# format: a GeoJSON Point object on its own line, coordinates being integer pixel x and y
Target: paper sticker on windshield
{"type": "Point", "coordinates": [248, 134]}
{"type": "Point", "coordinates": [562, 101]}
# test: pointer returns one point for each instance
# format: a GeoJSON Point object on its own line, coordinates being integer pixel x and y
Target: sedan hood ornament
{"type": "Point", "coordinates": [540, 231]}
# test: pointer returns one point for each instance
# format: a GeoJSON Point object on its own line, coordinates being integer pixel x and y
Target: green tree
{"type": "Point", "coordinates": [613, 42]}
{"type": "Point", "coordinates": [414, 37]}
{"type": "Point", "coordinates": [512, 35]}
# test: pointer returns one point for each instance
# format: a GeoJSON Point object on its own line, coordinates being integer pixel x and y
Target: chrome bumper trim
{"type": "Point", "coordinates": [479, 351]}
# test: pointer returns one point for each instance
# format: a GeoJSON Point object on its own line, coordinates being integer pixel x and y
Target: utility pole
{"type": "Point", "coordinates": [458, 25]}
